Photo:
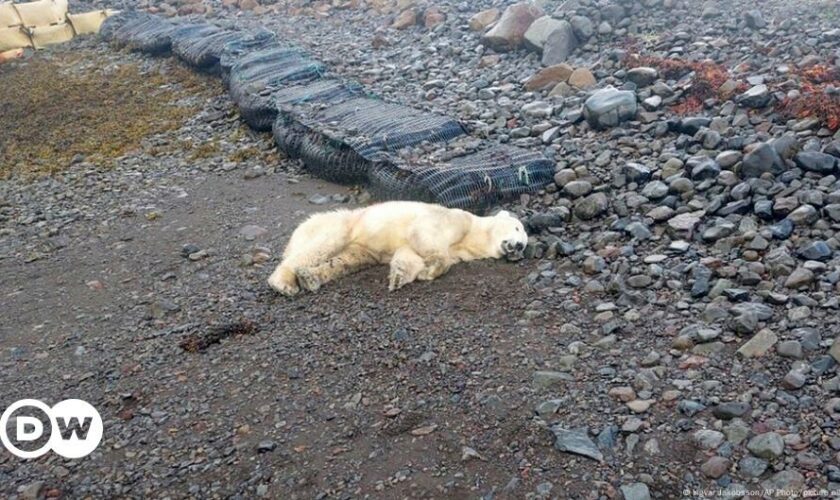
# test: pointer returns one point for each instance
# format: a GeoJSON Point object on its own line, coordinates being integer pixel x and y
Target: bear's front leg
{"type": "Point", "coordinates": [405, 266]}
{"type": "Point", "coordinates": [435, 265]}
{"type": "Point", "coordinates": [284, 281]}
{"type": "Point", "coordinates": [349, 260]}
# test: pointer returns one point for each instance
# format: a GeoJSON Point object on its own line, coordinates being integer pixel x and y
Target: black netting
{"type": "Point", "coordinates": [251, 88]}
{"type": "Point", "coordinates": [111, 24]}
{"type": "Point", "coordinates": [340, 134]}
{"type": "Point", "coordinates": [474, 181]}
{"type": "Point", "coordinates": [340, 141]}
{"type": "Point", "coordinates": [375, 128]}
{"type": "Point", "coordinates": [202, 49]}
{"type": "Point", "coordinates": [323, 91]}
{"type": "Point", "coordinates": [234, 51]}
{"type": "Point", "coordinates": [146, 33]}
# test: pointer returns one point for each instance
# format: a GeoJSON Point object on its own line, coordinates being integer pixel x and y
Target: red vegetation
{"type": "Point", "coordinates": [707, 82]}
{"type": "Point", "coordinates": [813, 101]}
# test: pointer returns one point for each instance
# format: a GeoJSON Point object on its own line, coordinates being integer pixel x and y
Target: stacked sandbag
{"type": "Point", "coordinates": [42, 13]}
{"type": "Point", "coordinates": [45, 21]}
{"type": "Point", "coordinates": [477, 180]}
{"type": "Point", "coordinates": [13, 36]}
{"type": "Point", "coordinates": [88, 23]}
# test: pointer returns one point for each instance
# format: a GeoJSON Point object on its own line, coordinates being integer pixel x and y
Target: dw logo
{"type": "Point", "coordinates": [29, 428]}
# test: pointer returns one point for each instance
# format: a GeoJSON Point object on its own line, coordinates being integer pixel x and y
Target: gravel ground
{"type": "Point", "coordinates": [671, 336]}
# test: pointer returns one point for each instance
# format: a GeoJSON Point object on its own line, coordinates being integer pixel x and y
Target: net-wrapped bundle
{"type": "Point", "coordinates": [147, 33]}
{"type": "Point", "coordinates": [474, 181]}
{"type": "Point", "coordinates": [287, 133]}
{"type": "Point", "coordinates": [340, 142]}
{"type": "Point", "coordinates": [258, 75]}
{"type": "Point", "coordinates": [109, 27]}
{"type": "Point", "coordinates": [234, 51]}
{"type": "Point", "coordinates": [202, 48]}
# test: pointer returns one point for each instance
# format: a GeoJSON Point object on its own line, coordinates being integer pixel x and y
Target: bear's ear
{"type": "Point", "coordinates": [503, 213]}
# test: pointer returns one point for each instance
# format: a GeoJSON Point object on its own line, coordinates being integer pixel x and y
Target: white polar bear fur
{"type": "Point", "coordinates": [418, 240]}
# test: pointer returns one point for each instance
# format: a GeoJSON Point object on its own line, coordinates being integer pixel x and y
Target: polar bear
{"type": "Point", "coordinates": [420, 241]}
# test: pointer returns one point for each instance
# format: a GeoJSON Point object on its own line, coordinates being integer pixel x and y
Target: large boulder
{"type": "Point", "coordinates": [539, 31]}
{"type": "Point", "coordinates": [509, 32]}
{"type": "Point", "coordinates": [814, 161]}
{"type": "Point", "coordinates": [559, 45]}
{"type": "Point", "coordinates": [480, 21]}
{"type": "Point", "coordinates": [609, 106]}
{"type": "Point", "coordinates": [549, 77]}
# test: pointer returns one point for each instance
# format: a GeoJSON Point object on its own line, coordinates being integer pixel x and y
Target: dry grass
{"type": "Point", "coordinates": [64, 103]}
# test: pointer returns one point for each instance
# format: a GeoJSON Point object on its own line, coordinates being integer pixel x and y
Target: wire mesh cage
{"type": "Point", "coordinates": [474, 181]}
{"type": "Point", "coordinates": [203, 49]}
{"type": "Point", "coordinates": [147, 34]}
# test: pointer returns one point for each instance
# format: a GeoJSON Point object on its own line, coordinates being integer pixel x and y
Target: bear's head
{"type": "Point", "coordinates": [507, 234]}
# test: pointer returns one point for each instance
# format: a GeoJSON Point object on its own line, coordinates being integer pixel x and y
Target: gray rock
{"type": "Point", "coordinates": [702, 167]}
{"type": "Point", "coordinates": [635, 491]}
{"type": "Point", "coordinates": [730, 410]}
{"type": "Point", "coordinates": [592, 206]}
{"type": "Point", "coordinates": [756, 97]}
{"type": "Point", "coordinates": [577, 442]}
{"type": "Point", "coordinates": [752, 466]}
{"type": "Point", "coordinates": [707, 439]}
{"type": "Point", "coordinates": [559, 45]}
{"type": "Point", "coordinates": [768, 445]}
{"type": "Point", "coordinates": [815, 250]}
{"type": "Point", "coordinates": [655, 190]}
{"type": "Point", "coordinates": [804, 215]}
{"type": "Point", "coordinates": [754, 19]}
{"type": "Point", "coordinates": [545, 379]}
{"type": "Point", "coordinates": [583, 27]}
{"type": "Point", "coordinates": [577, 189]}
{"type": "Point", "coordinates": [799, 278]}
{"type": "Point", "coordinates": [509, 32]}
{"type": "Point", "coordinates": [762, 159]}
{"type": "Point", "coordinates": [790, 349]}
{"type": "Point", "coordinates": [786, 480]}
{"type": "Point", "coordinates": [539, 31]}
{"type": "Point", "coordinates": [759, 344]}
{"type": "Point", "coordinates": [608, 107]}
{"type": "Point", "coordinates": [636, 172]}
{"type": "Point", "coordinates": [642, 76]}
{"type": "Point", "coordinates": [835, 350]}
{"type": "Point", "coordinates": [814, 161]}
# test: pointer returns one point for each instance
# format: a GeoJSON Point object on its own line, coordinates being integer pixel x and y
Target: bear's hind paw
{"type": "Point", "coordinates": [396, 280]}
{"type": "Point", "coordinates": [307, 279]}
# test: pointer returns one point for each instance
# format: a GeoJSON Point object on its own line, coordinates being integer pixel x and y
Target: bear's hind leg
{"type": "Point", "coordinates": [405, 266]}
{"type": "Point", "coordinates": [313, 242]}
{"type": "Point", "coordinates": [348, 261]}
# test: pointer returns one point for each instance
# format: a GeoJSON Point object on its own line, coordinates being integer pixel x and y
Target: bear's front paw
{"type": "Point", "coordinates": [307, 279]}
{"type": "Point", "coordinates": [284, 287]}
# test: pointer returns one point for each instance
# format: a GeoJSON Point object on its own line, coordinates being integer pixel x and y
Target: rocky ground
{"type": "Point", "coordinates": [671, 336]}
